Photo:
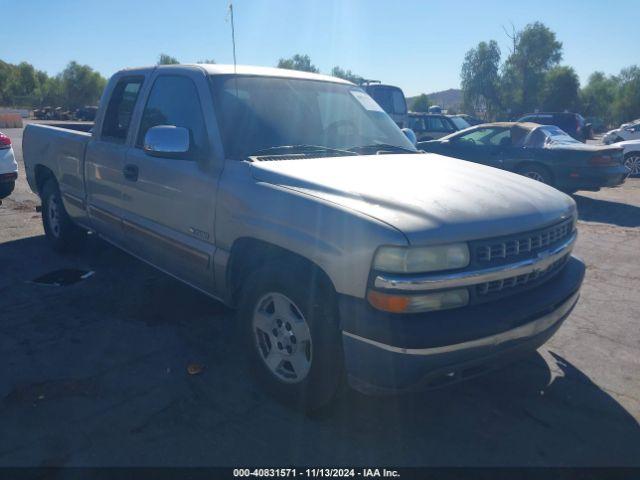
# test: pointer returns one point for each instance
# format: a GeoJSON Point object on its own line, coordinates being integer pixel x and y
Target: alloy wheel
{"type": "Point", "coordinates": [53, 212]}
{"type": "Point", "coordinates": [632, 163]}
{"type": "Point", "coordinates": [535, 176]}
{"type": "Point", "coordinates": [282, 337]}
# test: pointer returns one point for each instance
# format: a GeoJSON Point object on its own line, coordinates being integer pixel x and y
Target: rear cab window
{"type": "Point", "coordinates": [117, 118]}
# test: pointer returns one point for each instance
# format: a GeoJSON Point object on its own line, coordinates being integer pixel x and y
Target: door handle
{"type": "Point", "coordinates": [130, 172]}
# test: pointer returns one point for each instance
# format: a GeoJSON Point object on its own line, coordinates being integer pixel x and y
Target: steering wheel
{"type": "Point", "coordinates": [332, 129]}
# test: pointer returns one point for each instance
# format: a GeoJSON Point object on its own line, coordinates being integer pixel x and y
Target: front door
{"type": "Point", "coordinates": [487, 145]}
{"type": "Point", "coordinates": [170, 202]}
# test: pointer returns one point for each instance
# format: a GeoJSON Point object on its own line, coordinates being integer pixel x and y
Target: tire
{"type": "Point", "coordinates": [536, 172]}
{"type": "Point", "coordinates": [632, 162]}
{"type": "Point", "coordinates": [60, 230]}
{"type": "Point", "coordinates": [289, 327]}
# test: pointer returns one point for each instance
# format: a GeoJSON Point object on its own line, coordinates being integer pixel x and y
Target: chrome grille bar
{"type": "Point", "coordinates": [541, 262]}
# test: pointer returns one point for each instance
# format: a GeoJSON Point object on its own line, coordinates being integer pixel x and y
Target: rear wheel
{"type": "Point", "coordinates": [60, 230]}
{"type": "Point", "coordinates": [632, 162]}
{"type": "Point", "coordinates": [536, 172]}
{"type": "Point", "coordinates": [291, 335]}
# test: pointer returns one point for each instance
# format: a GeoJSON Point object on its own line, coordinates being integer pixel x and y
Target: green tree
{"type": "Point", "coordinates": [22, 84]}
{"type": "Point", "coordinates": [536, 50]}
{"type": "Point", "coordinates": [80, 85]}
{"type": "Point", "coordinates": [6, 70]}
{"type": "Point", "coordinates": [626, 105]}
{"type": "Point", "coordinates": [480, 80]}
{"type": "Point", "coordinates": [346, 75]}
{"type": "Point", "coordinates": [421, 103]}
{"type": "Point", "coordinates": [561, 90]}
{"type": "Point", "coordinates": [50, 92]}
{"type": "Point", "coordinates": [165, 59]}
{"type": "Point", "coordinates": [598, 95]}
{"type": "Point", "coordinates": [298, 62]}
{"type": "Point", "coordinates": [210, 60]}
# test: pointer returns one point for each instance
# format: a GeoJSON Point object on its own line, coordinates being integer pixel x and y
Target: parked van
{"type": "Point", "coordinates": [390, 98]}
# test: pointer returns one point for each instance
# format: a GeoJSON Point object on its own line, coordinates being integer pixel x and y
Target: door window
{"type": "Point", "coordinates": [174, 101]}
{"type": "Point", "coordinates": [117, 118]}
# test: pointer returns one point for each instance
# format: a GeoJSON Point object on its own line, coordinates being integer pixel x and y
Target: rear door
{"type": "Point", "coordinates": [105, 157]}
{"type": "Point", "coordinates": [170, 202]}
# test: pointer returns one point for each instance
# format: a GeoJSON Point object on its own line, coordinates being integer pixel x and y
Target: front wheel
{"type": "Point", "coordinates": [290, 330]}
{"type": "Point", "coordinates": [632, 163]}
{"type": "Point", "coordinates": [60, 230]}
{"type": "Point", "coordinates": [536, 172]}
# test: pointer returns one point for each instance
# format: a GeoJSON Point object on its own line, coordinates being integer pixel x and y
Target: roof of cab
{"type": "Point", "coordinates": [218, 69]}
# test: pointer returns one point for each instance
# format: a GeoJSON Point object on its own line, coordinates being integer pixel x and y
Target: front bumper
{"type": "Point", "coordinates": [387, 352]}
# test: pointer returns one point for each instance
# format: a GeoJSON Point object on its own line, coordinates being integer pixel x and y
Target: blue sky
{"type": "Point", "coordinates": [417, 45]}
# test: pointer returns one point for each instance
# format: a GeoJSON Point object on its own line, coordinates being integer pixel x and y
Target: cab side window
{"type": "Point", "coordinates": [117, 118]}
{"type": "Point", "coordinates": [174, 100]}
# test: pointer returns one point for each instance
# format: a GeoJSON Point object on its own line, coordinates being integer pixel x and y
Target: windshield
{"type": "Point", "coordinates": [258, 113]}
{"type": "Point", "coordinates": [548, 135]}
{"type": "Point", "coordinates": [460, 123]}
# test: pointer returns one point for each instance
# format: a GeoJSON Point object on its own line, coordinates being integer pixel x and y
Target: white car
{"type": "Point", "coordinates": [625, 132]}
{"type": "Point", "coordinates": [8, 167]}
{"type": "Point", "coordinates": [631, 156]}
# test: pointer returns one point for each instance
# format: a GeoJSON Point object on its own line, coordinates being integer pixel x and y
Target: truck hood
{"type": "Point", "coordinates": [428, 197]}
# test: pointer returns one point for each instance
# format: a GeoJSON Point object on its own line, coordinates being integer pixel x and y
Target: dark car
{"type": "Point", "coordinates": [86, 113]}
{"type": "Point", "coordinates": [542, 152]}
{"type": "Point", "coordinates": [430, 126]}
{"type": "Point", "coordinates": [572, 123]}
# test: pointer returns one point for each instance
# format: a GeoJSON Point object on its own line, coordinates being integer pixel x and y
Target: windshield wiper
{"type": "Point", "coordinates": [289, 149]}
{"type": "Point", "coordinates": [379, 147]}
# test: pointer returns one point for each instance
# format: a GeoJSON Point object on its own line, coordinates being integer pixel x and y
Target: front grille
{"type": "Point", "coordinates": [523, 245]}
{"type": "Point", "coordinates": [527, 279]}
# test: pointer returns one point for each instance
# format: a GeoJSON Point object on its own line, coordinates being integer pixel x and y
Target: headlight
{"type": "Point", "coordinates": [421, 259]}
{"type": "Point", "coordinates": [418, 303]}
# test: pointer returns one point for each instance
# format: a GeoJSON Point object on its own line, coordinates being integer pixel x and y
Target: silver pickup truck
{"type": "Point", "coordinates": [294, 198]}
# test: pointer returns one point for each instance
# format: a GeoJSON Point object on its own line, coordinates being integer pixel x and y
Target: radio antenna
{"type": "Point", "coordinates": [233, 35]}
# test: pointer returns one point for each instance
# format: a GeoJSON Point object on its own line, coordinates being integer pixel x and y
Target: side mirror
{"type": "Point", "coordinates": [410, 134]}
{"type": "Point", "coordinates": [166, 141]}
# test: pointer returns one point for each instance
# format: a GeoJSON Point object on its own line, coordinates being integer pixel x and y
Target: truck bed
{"type": "Point", "coordinates": [60, 149]}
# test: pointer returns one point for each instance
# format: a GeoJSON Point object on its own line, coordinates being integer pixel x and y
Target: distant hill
{"type": "Point", "coordinates": [451, 98]}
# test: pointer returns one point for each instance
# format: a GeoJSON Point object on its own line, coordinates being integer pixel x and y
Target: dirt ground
{"type": "Point", "coordinates": [94, 374]}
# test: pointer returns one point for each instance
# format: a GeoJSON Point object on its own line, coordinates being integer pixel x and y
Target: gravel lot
{"type": "Point", "coordinates": [95, 373]}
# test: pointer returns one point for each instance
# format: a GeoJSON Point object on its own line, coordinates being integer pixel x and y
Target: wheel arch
{"type": "Point", "coordinates": [248, 254]}
{"type": "Point", "coordinates": [42, 173]}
